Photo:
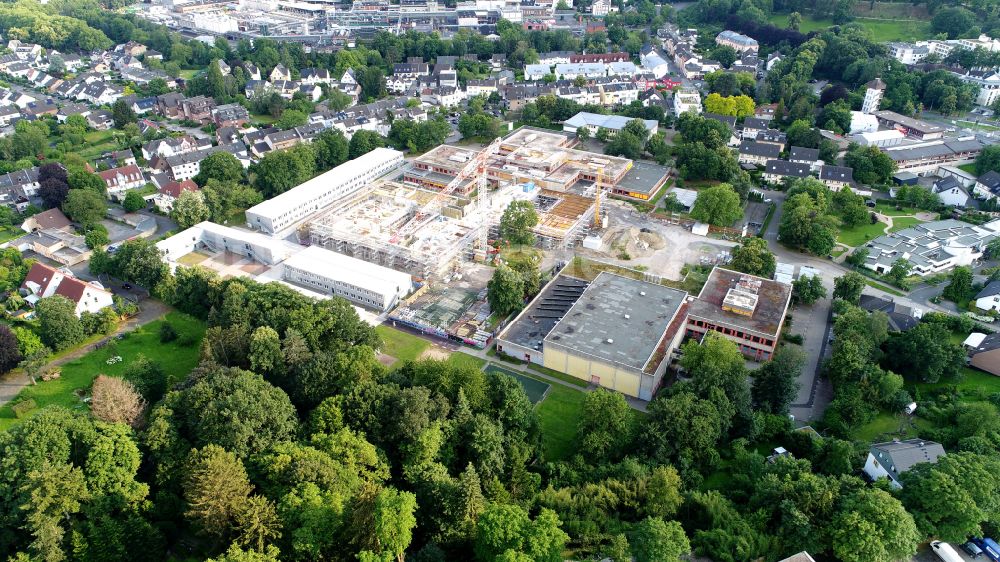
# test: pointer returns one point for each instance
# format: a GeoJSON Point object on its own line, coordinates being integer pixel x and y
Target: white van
{"type": "Point", "coordinates": [945, 552]}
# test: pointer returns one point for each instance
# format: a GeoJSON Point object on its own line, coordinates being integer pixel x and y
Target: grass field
{"type": "Point", "coordinates": [890, 210]}
{"type": "Point", "coordinates": [559, 415]}
{"type": "Point", "coordinates": [9, 233]}
{"type": "Point", "coordinates": [904, 222]}
{"type": "Point", "coordinates": [882, 30]}
{"type": "Point", "coordinates": [859, 235]}
{"type": "Point", "coordinates": [175, 359]}
{"type": "Point", "coordinates": [189, 73]}
{"type": "Point", "coordinates": [401, 345]}
{"type": "Point", "coordinates": [970, 167]}
{"type": "Point", "coordinates": [557, 375]}
{"type": "Point", "coordinates": [97, 143]}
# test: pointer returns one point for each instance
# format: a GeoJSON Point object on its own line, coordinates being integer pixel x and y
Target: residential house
{"type": "Point", "coordinates": [312, 92]}
{"type": "Point", "coordinates": [169, 146]}
{"type": "Point", "coordinates": [405, 74]}
{"type": "Point", "coordinates": [223, 67]}
{"type": "Point", "coordinates": [52, 219]}
{"type": "Point", "coordinates": [775, 171]}
{"type": "Point", "coordinates": [686, 100]}
{"type": "Point", "coordinates": [168, 193]}
{"type": "Point", "coordinates": [253, 73]}
{"type": "Point", "coordinates": [987, 185]}
{"type": "Point", "coordinates": [901, 317]}
{"type": "Point", "coordinates": [802, 155]}
{"type": "Point", "coordinates": [951, 192]}
{"type": "Point", "coordinates": [8, 115]}
{"type": "Point", "coordinates": [987, 299]}
{"type": "Point", "coordinates": [254, 88]}
{"type": "Point", "coordinates": [315, 76]}
{"type": "Point", "coordinates": [773, 136]}
{"type": "Point", "coordinates": [536, 71]}
{"type": "Point", "coordinates": [44, 281]}
{"type": "Point", "coordinates": [932, 247]}
{"type": "Point", "coordinates": [186, 166]}
{"type": "Point", "coordinates": [169, 105]}
{"type": "Point", "coordinates": [756, 153]}
{"type": "Point", "coordinates": [653, 62]}
{"type": "Point", "coordinates": [230, 115]}
{"type": "Point", "coordinates": [752, 126]}
{"type": "Point", "coordinates": [120, 180]}
{"type": "Point", "coordinates": [280, 72]}
{"type": "Point", "coordinates": [984, 350]}
{"type": "Point", "coordinates": [142, 106]}
{"type": "Point", "coordinates": [836, 177]}
{"type": "Point", "coordinates": [893, 458]}
{"type": "Point", "coordinates": [101, 120]}
{"type": "Point", "coordinates": [739, 42]}
{"type": "Point", "coordinates": [17, 188]}
{"type": "Point", "coordinates": [198, 108]}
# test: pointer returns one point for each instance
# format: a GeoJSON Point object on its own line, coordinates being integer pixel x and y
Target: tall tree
{"type": "Point", "coordinates": [216, 490]}
{"type": "Point", "coordinates": [59, 326]}
{"type": "Point", "coordinates": [718, 205]}
{"type": "Point", "coordinates": [10, 353]}
{"type": "Point", "coordinates": [505, 291]}
{"type": "Point", "coordinates": [656, 540]}
{"type": "Point", "coordinates": [221, 166]}
{"type": "Point", "coordinates": [754, 257]}
{"type": "Point", "coordinates": [190, 209]}
{"type": "Point", "coordinates": [517, 222]}
{"type": "Point", "coordinates": [775, 383]}
{"type": "Point", "coordinates": [849, 286]}
{"type": "Point", "coordinates": [53, 184]}
{"type": "Point", "coordinates": [605, 425]}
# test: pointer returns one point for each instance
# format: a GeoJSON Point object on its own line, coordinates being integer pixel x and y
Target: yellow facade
{"type": "Point", "coordinates": [584, 368]}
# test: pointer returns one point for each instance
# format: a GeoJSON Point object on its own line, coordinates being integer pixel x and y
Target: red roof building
{"type": "Point", "coordinates": [44, 281]}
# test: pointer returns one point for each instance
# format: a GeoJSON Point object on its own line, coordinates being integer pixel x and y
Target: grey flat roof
{"type": "Point", "coordinates": [773, 298]}
{"type": "Point", "coordinates": [614, 308]}
{"type": "Point", "coordinates": [644, 177]}
{"type": "Point", "coordinates": [532, 325]}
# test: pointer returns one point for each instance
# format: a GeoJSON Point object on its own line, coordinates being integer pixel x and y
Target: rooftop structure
{"type": "Point", "coordinates": [217, 238]}
{"type": "Point", "coordinates": [289, 208]}
{"type": "Point", "coordinates": [747, 309]}
{"type": "Point", "coordinates": [737, 41]}
{"type": "Point", "coordinates": [43, 281]}
{"type": "Point", "coordinates": [616, 334]}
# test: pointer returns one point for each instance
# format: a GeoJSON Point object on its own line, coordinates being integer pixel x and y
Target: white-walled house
{"type": "Point", "coordinates": [43, 281]}
{"type": "Point", "coordinates": [889, 460]}
{"type": "Point", "coordinates": [989, 297]}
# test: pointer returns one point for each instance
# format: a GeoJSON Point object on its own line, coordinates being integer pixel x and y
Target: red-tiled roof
{"type": "Point", "coordinates": [174, 189]}
{"type": "Point", "coordinates": [131, 172]}
{"type": "Point", "coordinates": [41, 275]}
{"type": "Point", "coordinates": [71, 288]}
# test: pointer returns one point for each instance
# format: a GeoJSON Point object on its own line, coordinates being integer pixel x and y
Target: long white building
{"type": "Point", "coordinates": [218, 238]}
{"type": "Point", "coordinates": [364, 283]}
{"type": "Point", "coordinates": [287, 209]}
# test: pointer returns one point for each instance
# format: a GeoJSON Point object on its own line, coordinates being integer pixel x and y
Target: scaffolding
{"type": "Point", "coordinates": [381, 225]}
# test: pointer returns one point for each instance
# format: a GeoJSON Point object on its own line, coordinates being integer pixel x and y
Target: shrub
{"type": "Point", "coordinates": [167, 333]}
{"type": "Point", "coordinates": [22, 408]}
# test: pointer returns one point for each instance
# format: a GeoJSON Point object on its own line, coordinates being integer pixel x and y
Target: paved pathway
{"type": "Point", "coordinates": [15, 381]}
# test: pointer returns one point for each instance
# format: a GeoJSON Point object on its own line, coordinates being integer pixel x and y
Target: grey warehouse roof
{"type": "Point", "coordinates": [618, 320]}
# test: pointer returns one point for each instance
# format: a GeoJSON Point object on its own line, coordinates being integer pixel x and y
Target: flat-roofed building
{"type": "Point", "coordinates": [361, 282]}
{"type": "Point", "coordinates": [745, 309]}
{"type": "Point", "coordinates": [909, 126]}
{"type": "Point", "coordinates": [618, 334]}
{"type": "Point", "coordinates": [217, 238]}
{"type": "Point", "coordinates": [289, 208]}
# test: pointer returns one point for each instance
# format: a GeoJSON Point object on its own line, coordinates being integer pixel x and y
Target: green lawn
{"type": "Point", "coordinates": [8, 233]}
{"type": "Point", "coordinates": [970, 167]}
{"type": "Point", "coordinates": [882, 30]}
{"type": "Point", "coordinates": [237, 218]}
{"type": "Point", "coordinates": [889, 209]}
{"type": "Point", "coordinates": [882, 424]}
{"type": "Point", "coordinates": [189, 73]}
{"type": "Point", "coordinates": [401, 345]}
{"type": "Point", "coordinates": [886, 288]}
{"type": "Point", "coordinates": [176, 360]}
{"type": "Point", "coordinates": [859, 235]}
{"type": "Point", "coordinates": [459, 358]}
{"type": "Point", "coordinates": [904, 222]}
{"type": "Point", "coordinates": [559, 415]}
{"type": "Point", "coordinates": [97, 143]}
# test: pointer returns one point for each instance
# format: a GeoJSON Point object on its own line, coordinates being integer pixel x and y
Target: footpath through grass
{"type": "Point", "coordinates": [175, 358]}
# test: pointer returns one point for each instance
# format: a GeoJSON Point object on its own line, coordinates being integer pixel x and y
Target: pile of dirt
{"type": "Point", "coordinates": [639, 243]}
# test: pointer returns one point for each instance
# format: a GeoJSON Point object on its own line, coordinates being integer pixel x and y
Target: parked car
{"type": "Point", "coordinates": [972, 550]}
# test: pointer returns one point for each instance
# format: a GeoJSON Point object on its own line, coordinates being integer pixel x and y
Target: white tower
{"type": "Point", "coordinates": [873, 96]}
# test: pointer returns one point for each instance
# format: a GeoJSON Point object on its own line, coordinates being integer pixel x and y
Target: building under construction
{"type": "Point", "coordinates": [377, 224]}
